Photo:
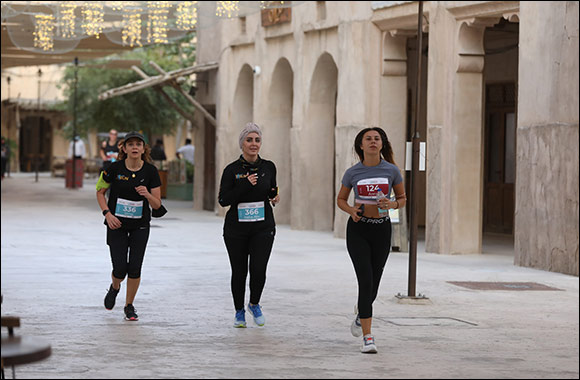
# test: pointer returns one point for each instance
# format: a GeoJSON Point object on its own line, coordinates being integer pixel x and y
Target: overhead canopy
{"type": "Point", "coordinates": [87, 49]}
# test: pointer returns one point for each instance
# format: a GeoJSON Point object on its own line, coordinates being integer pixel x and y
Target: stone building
{"type": "Point", "coordinates": [499, 113]}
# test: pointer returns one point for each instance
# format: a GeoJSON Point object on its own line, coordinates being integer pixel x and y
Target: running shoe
{"type": "Point", "coordinates": [256, 312]}
{"type": "Point", "coordinates": [240, 321]}
{"type": "Point", "coordinates": [356, 327]}
{"type": "Point", "coordinates": [130, 314]}
{"type": "Point", "coordinates": [111, 297]}
{"type": "Point", "coordinates": [368, 346]}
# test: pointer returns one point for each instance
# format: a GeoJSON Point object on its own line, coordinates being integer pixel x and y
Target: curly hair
{"type": "Point", "coordinates": [146, 156]}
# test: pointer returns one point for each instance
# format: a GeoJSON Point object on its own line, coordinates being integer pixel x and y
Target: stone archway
{"type": "Point", "coordinates": [319, 143]}
{"type": "Point", "coordinates": [276, 129]}
{"type": "Point", "coordinates": [243, 104]}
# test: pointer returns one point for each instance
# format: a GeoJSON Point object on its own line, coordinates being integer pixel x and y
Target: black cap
{"type": "Point", "coordinates": [134, 134]}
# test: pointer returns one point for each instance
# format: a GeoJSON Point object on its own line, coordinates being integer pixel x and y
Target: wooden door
{"type": "Point", "coordinates": [500, 158]}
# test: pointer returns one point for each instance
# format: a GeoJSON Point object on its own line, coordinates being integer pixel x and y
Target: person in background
{"type": "Point", "coordinates": [187, 151]}
{"type": "Point", "coordinates": [158, 154]}
{"type": "Point", "coordinates": [5, 156]}
{"type": "Point", "coordinates": [109, 149]}
{"type": "Point", "coordinates": [79, 148]}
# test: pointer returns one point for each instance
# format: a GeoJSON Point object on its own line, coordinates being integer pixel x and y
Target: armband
{"type": "Point", "coordinates": [102, 184]}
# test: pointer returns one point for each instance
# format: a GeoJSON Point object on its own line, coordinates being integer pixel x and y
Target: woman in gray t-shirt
{"type": "Point", "coordinates": [368, 232]}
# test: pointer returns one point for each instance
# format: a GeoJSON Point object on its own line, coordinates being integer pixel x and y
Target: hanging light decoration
{"type": "Point", "coordinates": [93, 17]}
{"type": "Point", "coordinates": [227, 9]}
{"type": "Point", "coordinates": [270, 4]}
{"type": "Point", "coordinates": [117, 5]}
{"type": "Point", "coordinates": [44, 26]}
{"type": "Point", "coordinates": [131, 32]}
{"type": "Point", "coordinates": [157, 25]}
{"type": "Point", "coordinates": [65, 24]}
{"type": "Point", "coordinates": [186, 15]}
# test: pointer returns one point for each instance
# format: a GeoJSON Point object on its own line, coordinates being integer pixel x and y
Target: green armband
{"type": "Point", "coordinates": [102, 184]}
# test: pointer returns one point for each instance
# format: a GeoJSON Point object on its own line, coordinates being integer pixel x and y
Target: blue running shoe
{"type": "Point", "coordinates": [240, 321]}
{"type": "Point", "coordinates": [256, 312]}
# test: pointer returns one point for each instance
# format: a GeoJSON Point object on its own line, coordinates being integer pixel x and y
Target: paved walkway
{"type": "Point", "coordinates": [55, 272]}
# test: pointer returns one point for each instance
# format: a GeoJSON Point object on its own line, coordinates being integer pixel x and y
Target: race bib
{"type": "Point", "coordinates": [112, 156]}
{"type": "Point", "coordinates": [251, 212]}
{"type": "Point", "coordinates": [367, 189]}
{"type": "Point", "coordinates": [129, 209]}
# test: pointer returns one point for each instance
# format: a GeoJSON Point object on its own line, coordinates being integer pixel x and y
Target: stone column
{"type": "Point", "coordinates": [393, 110]}
{"type": "Point", "coordinates": [455, 176]}
{"type": "Point", "coordinates": [546, 216]}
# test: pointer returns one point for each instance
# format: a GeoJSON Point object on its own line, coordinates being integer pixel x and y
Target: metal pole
{"type": "Point", "coordinates": [74, 151]}
{"type": "Point", "coordinates": [37, 155]}
{"type": "Point", "coordinates": [415, 162]}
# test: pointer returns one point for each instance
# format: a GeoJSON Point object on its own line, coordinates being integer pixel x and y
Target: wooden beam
{"type": "Point", "coordinates": [165, 95]}
{"type": "Point", "coordinates": [195, 103]}
{"type": "Point", "coordinates": [156, 80]}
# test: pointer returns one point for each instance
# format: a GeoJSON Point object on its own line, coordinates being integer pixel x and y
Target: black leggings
{"type": "Point", "coordinates": [257, 247]}
{"type": "Point", "coordinates": [122, 242]}
{"type": "Point", "coordinates": [368, 242]}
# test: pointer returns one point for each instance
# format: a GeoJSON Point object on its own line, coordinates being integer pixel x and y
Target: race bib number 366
{"type": "Point", "coordinates": [368, 188]}
{"type": "Point", "coordinates": [129, 209]}
{"type": "Point", "coordinates": [251, 212]}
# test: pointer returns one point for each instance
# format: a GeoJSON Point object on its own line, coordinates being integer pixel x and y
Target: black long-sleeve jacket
{"type": "Point", "coordinates": [235, 189]}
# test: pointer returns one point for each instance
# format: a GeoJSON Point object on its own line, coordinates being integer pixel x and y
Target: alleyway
{"type": "Point", "coordinates": [56, 266]}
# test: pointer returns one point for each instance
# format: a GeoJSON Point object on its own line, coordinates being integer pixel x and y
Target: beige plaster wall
{"type": "Point", "coordinates": [546, 218]}
{"type": "Point", "coordinates": [301, 43]}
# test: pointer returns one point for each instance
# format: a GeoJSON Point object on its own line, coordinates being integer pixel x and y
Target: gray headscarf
{"type": "Point", "coordinates": [249, 128]}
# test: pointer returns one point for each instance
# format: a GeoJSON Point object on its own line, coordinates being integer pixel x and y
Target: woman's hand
{"type": "Point", "coordinates": [142, 190]}
{"type": "Point", "coordinates": [275, 200]}
{"type": "Point", "coordinates": [383, 203]}
{"type": "Point", "coordinates": [253, 178]}
{"type": "Point", "coordinates": [354, 212]}
{"type": "Point", "coordinates": [112, 221]}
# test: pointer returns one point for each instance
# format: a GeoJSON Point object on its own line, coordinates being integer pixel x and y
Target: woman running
{"type": "Point", "coordinates": [134, 185]}
{"type": "Point", "coordinates": [248, 185]}
{"type": "Point", "coordinates": [368, 232]}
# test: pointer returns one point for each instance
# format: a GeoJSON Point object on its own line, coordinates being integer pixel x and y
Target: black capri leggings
{"type": "Point", "coordinates": [257, 247]}
{"type": "Point", "coordinates": [132, 242]}
{"type": "Point", "coordinates": [368, 242]}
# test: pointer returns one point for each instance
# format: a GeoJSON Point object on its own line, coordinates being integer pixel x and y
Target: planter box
{"type": "Point", "coordinates": [180, 191]}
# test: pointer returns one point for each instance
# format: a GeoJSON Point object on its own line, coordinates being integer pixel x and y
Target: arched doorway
{"type": "Point", "coordinates": [320, 125]}
{"type": "Point", "coordinates": [243, 105]}
{"type": "Point", "coordinates": [277, 134]}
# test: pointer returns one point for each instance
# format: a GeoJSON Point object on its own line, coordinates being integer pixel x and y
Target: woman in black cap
{"type": "Point", "coordinates": [248, 185]}
{"type": "Point", "coordinates": [134, 185]}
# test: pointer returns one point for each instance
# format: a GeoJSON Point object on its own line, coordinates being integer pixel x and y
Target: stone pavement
{"type": "Point", "coordinates": [56, 266]}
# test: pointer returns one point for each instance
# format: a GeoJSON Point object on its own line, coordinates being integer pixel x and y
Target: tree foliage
{"type": "Point", "coordinates": [145, 110]}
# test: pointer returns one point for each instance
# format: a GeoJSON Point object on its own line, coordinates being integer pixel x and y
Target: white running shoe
{"type": "Point", "coordinates": [356, 328]}
{"type": "Point", "coordinates": [368, 346]}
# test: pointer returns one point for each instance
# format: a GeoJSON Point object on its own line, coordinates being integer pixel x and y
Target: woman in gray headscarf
{"type": "Point", "coordinates": [248, 186]}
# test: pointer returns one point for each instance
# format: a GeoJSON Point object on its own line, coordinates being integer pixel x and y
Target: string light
{"type": "Point", "coordinates": [157, 24]}
{"type": "Point", "coordinates": [131, 32]}
{"type": "Point", "coordinates": [66, 19]}
{"type": "Point", "coordinates": [227, 9]}
{"type": "Point", "coordinates": [187, 15]}
{"type": "Point", "coordinates": [268, 4]}
{"type": "Point", "coordinates": [117, 5]}
{"type": "Point", "coordinates": [44, 32]}
{"type": "Point", "coordinates": [93, 17]}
